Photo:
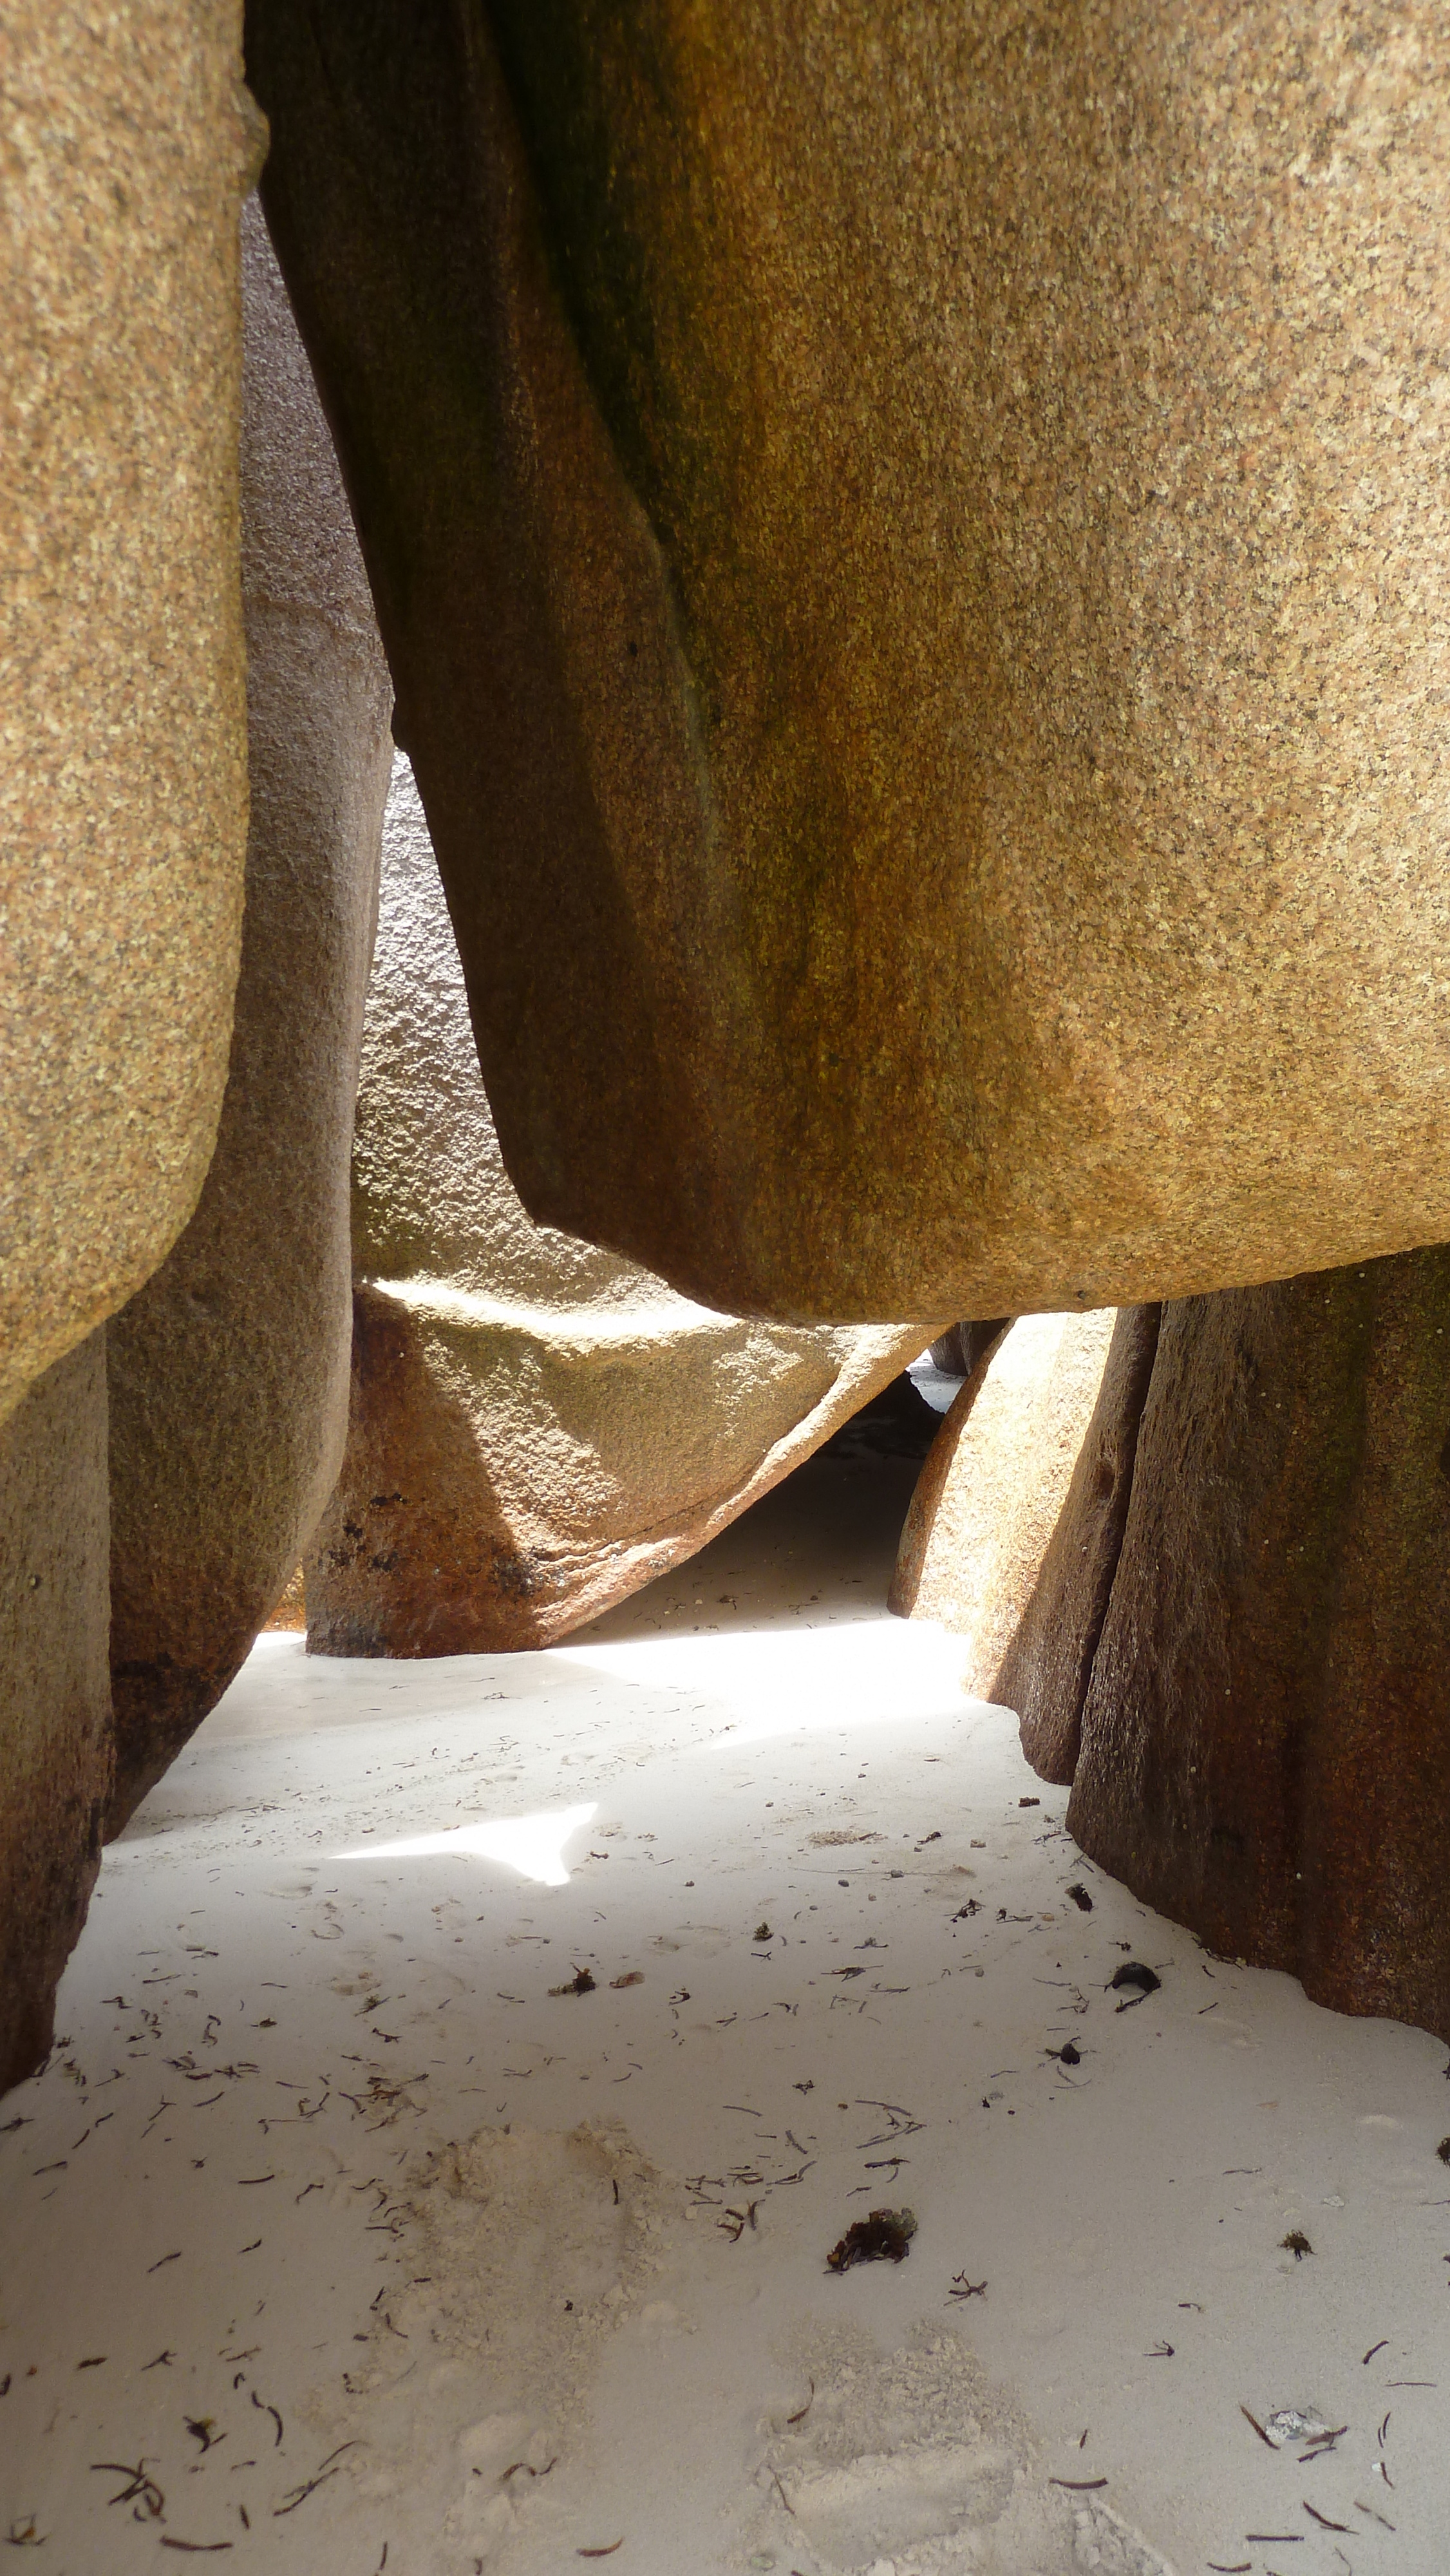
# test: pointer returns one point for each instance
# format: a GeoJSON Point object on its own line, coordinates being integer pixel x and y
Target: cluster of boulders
{"type": "Point", "coordinates": [895, 560]}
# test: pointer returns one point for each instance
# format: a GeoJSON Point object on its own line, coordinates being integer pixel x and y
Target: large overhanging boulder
{"type": "Point", "coordinates": [911, 546]}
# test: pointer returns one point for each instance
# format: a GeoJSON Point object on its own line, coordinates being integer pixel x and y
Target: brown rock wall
{"type": "Point", "coordinates": [55, 1698]}
{"type": "Point", "coordinates": [1266, 1735]}
{"type": "Point", "coordinates": [1244, 1673]}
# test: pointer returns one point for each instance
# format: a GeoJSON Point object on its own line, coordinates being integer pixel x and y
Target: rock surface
{"type": "Point", "coordinates": [55, 1698]}
{"type": "Point", "coordinates": [128, 144]}
{"type": "Point", "coordinates": [1045, 1669]}
{"type": "Point", "coordinates": [537, 1426]}
{"type": "Point", "coordinates": [958, 1350]}
{"type": "Point", "coordinates": [869, 509]}
{"type": "Point", "coordinates": [229, 1369]}
{"type": "Point", "coordinates": [989, 1496]}
{"type": "Point", "coordinates": [1265, 1722]}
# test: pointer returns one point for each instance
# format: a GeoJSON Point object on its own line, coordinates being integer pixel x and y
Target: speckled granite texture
{"type": "Point", "coordinates": [126, 144]}
{"type": "Point", "coordinates": [912, 547]}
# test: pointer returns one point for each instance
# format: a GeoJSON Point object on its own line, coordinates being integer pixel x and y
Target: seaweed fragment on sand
{"type": "Point", "coordinates": [882, 2237]}
{"type": "Point", "coordinates": [1134, 1974]}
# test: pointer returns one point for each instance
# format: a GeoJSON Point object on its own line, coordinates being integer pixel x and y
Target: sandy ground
{"type": "Point", "coordinates": [337, 2239]}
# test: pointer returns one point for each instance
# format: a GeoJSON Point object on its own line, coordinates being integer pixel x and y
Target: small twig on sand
{"type": "Point", "coordinates": [320, 2476]}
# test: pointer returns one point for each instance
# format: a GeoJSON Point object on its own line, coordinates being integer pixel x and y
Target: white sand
{"type": "Point", "coordinates": [243, 2174]}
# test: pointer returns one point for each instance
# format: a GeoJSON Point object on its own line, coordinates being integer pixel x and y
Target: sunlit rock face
{"type": "Point", "coordinates": [538, 1427]}
{"type": "Point", "coordinates": [911, 544]}
{"type": "Point", "coordinates": [1258, 1734]}
{"type": "Point", "coordinates": [229, 1369]}
{"type": "Point", "coordinates": [1046, 1663]}
{"type": "Point", "coordinates": [128, 146]}
{"type": "Point", "coordinates": [989, 1496]}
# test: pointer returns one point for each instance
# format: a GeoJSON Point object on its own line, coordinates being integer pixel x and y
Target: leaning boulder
{"type": "Point", "coordinates": [127, 148]}
{"type": "Point", "coordinates": [538, 1427]}
{"type": "Point", "coordinates": [1264, 1717]}
{"type": "Point", "coordinates": [990, 1493]}
{"type": "Point", "coordinates": [229, 1369]}
{"type": "Point", "coordinates": [908, 542]}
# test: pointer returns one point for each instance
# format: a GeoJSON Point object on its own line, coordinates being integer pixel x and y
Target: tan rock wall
{"type": "Point", "coordinates": [55, 1697]}
{"type": "Point", "coordinates": [126, 146]}
{"type": "Point", "coordinates": [229, 1369]}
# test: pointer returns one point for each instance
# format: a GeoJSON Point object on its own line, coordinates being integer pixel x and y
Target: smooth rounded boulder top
{"type": "Point", "coordinates": [911, 546]}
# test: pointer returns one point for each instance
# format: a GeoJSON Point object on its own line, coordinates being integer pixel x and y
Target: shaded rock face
{"type": "Point", "coordinates": [913, 590]}
{"type": "Point", "coordinates": [537, 1427]}
{"type": "Point", "coordinates": [128, 146]}
{"type": "Point", "coordinates": [957, 1352]}
{"type": "Point", "coordinates": [1265, 1713]}
{"type": "Point", "coordinates": [229, 1369]}
{"type": "Point", "coordinates": [898, 1424]}
{"type": "Point", "coordinates": [988, 1499]}
{"type": "Point", "coordinates": [55, 1697]}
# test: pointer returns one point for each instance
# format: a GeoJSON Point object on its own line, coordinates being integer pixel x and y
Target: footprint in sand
{"type": "Point", "coordinates": [914, 2464]}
